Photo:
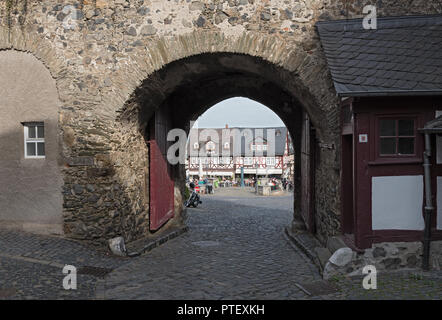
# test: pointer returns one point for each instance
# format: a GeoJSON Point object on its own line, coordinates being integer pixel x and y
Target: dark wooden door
{"type": "Point", "coordinates": [161, 190]}
{"type": "Point", "coordinates": [307, 174]}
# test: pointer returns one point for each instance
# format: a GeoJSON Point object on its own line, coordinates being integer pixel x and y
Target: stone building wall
{"type": "Point", "coordinates": [100, 52]}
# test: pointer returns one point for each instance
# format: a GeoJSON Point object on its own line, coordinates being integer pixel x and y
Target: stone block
{"type": "Point", "coordinates": [323, 254]}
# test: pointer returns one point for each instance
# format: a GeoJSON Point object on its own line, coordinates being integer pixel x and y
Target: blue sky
{"type": "Point", "coordinates": [239, 112]}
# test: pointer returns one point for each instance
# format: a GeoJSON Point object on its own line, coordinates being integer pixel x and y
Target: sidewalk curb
{"type": "Point", "coordinates": [306, 249]}
{"type": "Point", "coordinates": [159, 241]}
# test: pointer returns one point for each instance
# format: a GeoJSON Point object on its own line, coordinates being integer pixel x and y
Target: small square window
{"type": "Point", "coordinates": [397, 137]}
{"type": "Point", "coordinates": [34, 140]}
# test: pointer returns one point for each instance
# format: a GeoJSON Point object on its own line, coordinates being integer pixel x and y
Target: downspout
{"type": "Point", "coordinates": [428, 204]}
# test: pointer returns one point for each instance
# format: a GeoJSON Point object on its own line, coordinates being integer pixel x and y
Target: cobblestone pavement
{"type": "Point", "coordinates": [31, 266]}
{"type": "Point", "coordinates": [235, 249]}
{"type": "Point", "coordinates": [392, 286]}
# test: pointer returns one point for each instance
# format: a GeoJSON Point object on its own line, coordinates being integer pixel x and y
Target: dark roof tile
{"type": "Point", "coordinates": [402, 54]}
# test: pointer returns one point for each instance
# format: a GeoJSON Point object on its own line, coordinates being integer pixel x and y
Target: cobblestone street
{"type": "Point", "coordinates": [235, 249]}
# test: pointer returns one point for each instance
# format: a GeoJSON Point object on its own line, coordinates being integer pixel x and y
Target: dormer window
{"type": "Point", "coordinates": [258, 147]}
{"type": "Point", "coordinates": [210, 146]}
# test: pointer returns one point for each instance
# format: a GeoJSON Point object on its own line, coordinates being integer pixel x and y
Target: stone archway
{"type": "Point", "coordinates": [105, 140]}
{"type": "Point", "coordinates": [199, 81]}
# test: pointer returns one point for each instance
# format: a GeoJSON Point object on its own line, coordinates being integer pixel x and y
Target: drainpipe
{"type": "Point", "coordinates": [428, 203]}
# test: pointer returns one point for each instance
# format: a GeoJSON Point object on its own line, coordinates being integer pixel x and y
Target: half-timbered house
{"type": "Point", "coordinates": [261, 152]}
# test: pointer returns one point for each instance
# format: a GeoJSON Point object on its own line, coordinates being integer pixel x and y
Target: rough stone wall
{"type": "Point", "coordinates": [106, 187]}
{"type": "Point", "coordinates": [99, 52]}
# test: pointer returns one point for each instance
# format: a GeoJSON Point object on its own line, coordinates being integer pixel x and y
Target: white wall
{"type": "Point", "coordinates": [30, 189]}
{"type": "Point", "coordinates": [397, 203]}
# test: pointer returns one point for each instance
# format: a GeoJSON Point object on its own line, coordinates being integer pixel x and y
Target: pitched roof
{"type": "Point", "coordinates": [403, 56]}
{"type": "Point", "coordinates": [259, 134]}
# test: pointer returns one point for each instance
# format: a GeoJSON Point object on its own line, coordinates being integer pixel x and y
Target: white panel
{"type": "Point", "coordinates": [438, 149]}
{"type": "Point", "coordinates": [397, 203]}
{"type": "Point", "coordinates": [439, 204]}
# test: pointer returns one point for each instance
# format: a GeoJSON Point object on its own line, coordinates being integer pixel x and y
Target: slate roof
{"type": "Point", "coordinates": [280, 140]}
{"type": "Point", "coordinates": [403, 56]}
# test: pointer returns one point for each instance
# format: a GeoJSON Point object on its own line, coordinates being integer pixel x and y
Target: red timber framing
{"type": "Point", "coordinates": [161, 182]}
{"type": "Point", "coordinates": [361, 161]}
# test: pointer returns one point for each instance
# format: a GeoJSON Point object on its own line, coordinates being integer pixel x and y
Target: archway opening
{"type": "Point", "coordinates": [240, 151]}
{"type": "Point", "coordinates": [180, 92]}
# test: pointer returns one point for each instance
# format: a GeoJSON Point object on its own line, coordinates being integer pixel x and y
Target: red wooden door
{"type": "Point", "coordinates": [161, 190]}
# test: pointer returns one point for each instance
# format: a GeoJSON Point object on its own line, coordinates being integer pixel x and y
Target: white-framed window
{"type": "Point", "coordinates": [270, 161]}
{"type": "Point", "coordinates": [253, 147]}
{"type": "Point", "coordinates": [258, 147]}
{"type": "Point", "coordinates": [196, 145]}
{"type": "Point", "coordinates": [248, 161]}
{"type": "Point", "coordinates": [264, 147]}
{"type": "Point", "coordinates": [34, 133]}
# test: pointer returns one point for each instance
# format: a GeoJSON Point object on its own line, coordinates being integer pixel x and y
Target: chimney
{"type": "Point", "coordinates": [227, 126]}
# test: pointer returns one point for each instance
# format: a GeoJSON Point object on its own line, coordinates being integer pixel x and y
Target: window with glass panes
{"type": "Point", "coordinates": [397, 137]}
{"type": "Point", "coordinates": [34, 140]}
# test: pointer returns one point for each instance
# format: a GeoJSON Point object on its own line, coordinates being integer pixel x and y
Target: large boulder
{"type": "Point", "coordinates": [339, 263]}
{"type": "Point", "coordinates": [342, 257]}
